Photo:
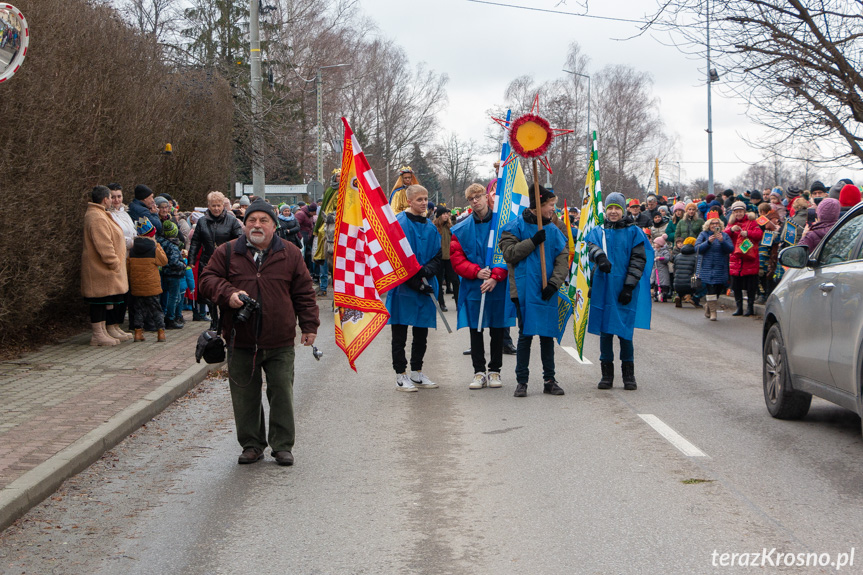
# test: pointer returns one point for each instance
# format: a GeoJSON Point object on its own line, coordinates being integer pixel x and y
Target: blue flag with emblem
{"type": "Point", "coordinates": [512, 197]}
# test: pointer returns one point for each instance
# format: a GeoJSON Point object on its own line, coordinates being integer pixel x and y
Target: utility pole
{"type": "Point", "coordinates": [319, 88]}
{"type": "Point", "coordinates": [258, 179]}
{"type": "Point", "coordinates": [711, 74]}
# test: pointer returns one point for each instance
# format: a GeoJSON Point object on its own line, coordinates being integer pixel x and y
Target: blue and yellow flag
{"type": "Point", "coordinates": [512, 197]}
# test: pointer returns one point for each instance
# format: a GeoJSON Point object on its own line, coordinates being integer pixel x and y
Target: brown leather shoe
{"type": "Point", "coordinates": [283, 457]}
{"type": "Point", "coordinates": [160, 335]}
{"type": "Point", "coordinates": [250, 455]}
{"type": "Point", "coordinates": [139, 334]}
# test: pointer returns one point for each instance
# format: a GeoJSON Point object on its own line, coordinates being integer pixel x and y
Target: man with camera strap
{"type": "Point", "coordinates": [263, 296]}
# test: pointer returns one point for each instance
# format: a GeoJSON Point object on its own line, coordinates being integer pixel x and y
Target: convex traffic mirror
{"type": "Point", "coordinates": [14, 39]}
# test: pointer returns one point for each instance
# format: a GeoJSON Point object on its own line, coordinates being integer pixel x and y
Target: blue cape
{"type": "Point", "coordinates": [408, 306]}
{"type": "Point", "coordinates": [607, 315]}
{"type": "Point", "coordinates": [473, 238]}
{"type": "Point", "coordinates": [538, 317]}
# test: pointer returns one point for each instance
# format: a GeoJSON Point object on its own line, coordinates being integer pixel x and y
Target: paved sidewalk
{"type": "Point", "coordinates": [61, 408]}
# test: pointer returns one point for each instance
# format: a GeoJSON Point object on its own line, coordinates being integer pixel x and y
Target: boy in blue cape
{"type": "Point", "coordinates": [620, 290]}
{"type": "Point", "coordinates": [536, 306]}
{"type": "Point", "coordinates": [468, 248]}
{"type": "Point", "coordinates": [412, 302]}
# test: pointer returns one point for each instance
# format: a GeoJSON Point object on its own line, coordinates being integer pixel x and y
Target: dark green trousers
{"type": "Point", "coordinates": [244, 369]}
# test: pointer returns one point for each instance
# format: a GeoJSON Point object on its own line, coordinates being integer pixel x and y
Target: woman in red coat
{"type": "Point", "coordinates": [746, 234]}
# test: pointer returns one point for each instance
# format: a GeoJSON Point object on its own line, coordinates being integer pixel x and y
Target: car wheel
{"type": "Point", "coordinates": [782, 401]}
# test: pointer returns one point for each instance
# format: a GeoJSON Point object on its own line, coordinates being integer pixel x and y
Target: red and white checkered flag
{"type": "Point", "coordinates": [372, 254]}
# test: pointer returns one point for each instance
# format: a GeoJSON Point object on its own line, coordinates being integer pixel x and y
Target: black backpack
{"type": "Point", "coordinates": [210, 345]}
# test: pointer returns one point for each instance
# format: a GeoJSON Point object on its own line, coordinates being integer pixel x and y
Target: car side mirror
{"type": "Point", "coordinates": [796, 257]}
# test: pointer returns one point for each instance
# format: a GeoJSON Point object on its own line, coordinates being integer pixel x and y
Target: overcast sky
{"type": "Point", "coordinates": [482, 48]}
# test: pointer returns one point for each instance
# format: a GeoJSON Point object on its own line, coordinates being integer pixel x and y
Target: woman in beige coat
{"type": "Point", "coordinates": [103, 269]}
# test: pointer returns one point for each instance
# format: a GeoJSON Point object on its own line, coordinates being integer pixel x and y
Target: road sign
{"type": "Point", "coordinates": [315, 190]}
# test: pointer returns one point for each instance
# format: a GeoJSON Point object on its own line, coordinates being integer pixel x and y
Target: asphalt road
{"type": "Point", "coordinates": [465, 482]}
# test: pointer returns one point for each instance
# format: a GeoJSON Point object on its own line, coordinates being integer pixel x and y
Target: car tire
{"type": "Point", "coordinates": [782, 401]}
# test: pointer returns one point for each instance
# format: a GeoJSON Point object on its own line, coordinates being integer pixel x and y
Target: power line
{"type": "Point", "coordinates": [560, 12]}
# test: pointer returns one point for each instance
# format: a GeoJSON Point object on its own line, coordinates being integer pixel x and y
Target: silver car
{"type": "Point", "coordinates": [813, 324]}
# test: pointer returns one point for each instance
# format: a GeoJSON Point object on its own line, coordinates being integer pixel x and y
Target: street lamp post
{"type": "Point", "coordinates": [319, 83]}
{"type": "Point", "coordinates": [712, 76]}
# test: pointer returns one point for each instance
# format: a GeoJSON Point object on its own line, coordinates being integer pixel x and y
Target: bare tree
{"type": "Point", "coordinates": [797, 64]}
{"type": "Point", "coordinates": [457, 159]}
{"type": "Point", "coordinates": [627, 115]}
{"type": "Point", "coordinates": [158, 18]}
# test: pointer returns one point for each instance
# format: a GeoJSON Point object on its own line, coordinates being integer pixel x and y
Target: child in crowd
{"type": "Point", "coordinates": [172, 274]}
{"type": "Point", "coordinates": [685, 266]}
{"type": "Point", "coordinates": [537, 312]}
{"type": "Point", "coordinates": [411, 303]}
{"type": "Point", "coordinates": [620, 301]}
{"type": "Point", "coordinates": [143, 269]}
{"type": "Point", "coordinates": [661, 277]}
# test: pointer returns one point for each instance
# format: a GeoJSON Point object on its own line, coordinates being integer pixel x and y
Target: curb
{"type": "Point", "coordinates": [33, 487]}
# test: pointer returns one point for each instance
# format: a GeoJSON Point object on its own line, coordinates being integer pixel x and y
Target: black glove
{"type": "Point", "coordinates": [427, 272]}
{"type": "Point", "coordinates": [538, 237]}
{"type": "Point", "coordinates": [548, 291]}
{"type": "Point", "coordinates": [427, 289]}
{"type": "Point", "coordinates": [414, 282]}
{"type": "Point", "coordinates": [603, 263]}
{"type": "Point", "coordinates": [625, 295]}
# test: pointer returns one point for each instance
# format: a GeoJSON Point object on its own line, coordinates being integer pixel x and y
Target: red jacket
{"type": "Point", "coordinates": [468, 269]}
{"type": "Point", "coordinates": [739, 263]}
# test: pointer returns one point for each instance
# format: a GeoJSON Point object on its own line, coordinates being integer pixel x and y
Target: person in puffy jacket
{"type": "Point", "coordinates": [714, 248]}
{"type": "Point", "coordinates": [746, 235]}
{"type": "Point", "coordinates": [218, 226]}
{"type": "Point", "coordinates": [828, 214]}
{"type": "Point", "coordinates": [685, 266]}
{"type": "Point", "coordinates": [289, 227]}
{"type": "Point", "coordinates": [143, 264]}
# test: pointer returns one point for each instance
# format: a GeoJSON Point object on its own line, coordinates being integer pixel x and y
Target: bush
{"type": "Point", "coordinates": [93, 103]}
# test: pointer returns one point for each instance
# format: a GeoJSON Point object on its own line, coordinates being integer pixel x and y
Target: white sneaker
{"type": "Point", "coordinates": [494, 379]}
{"type": "Point", "coordinates": [404, 383]}
{"type": "Point", "coordinates": [420, 380]}
{"type": "Point", "coordinates": [478, 381]}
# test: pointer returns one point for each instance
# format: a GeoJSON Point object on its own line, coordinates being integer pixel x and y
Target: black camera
{"type": "Point", "coordinates": [250, 307]}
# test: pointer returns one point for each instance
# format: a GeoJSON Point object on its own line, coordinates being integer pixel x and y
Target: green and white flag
{"type": "Point", "coordinates": [592, 215]}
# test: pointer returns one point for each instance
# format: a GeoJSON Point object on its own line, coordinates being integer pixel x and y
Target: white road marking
{"type": "Point", "coordinates": [672, 436]}
{"type": "Point", "coordinates": [572, 351]}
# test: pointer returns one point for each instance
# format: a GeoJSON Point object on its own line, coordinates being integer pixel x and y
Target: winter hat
{"type": "Point", "coordinates": [544, 196]}
{"type": "Point", "coordinates": [738, 205]}
{"type": "Point", "coordinates": [260, 206]}
{"type": "Point", "coordinates": [142, 192]}
{"type": "Point", "coordinates": [162, 200]}
{"type": "Point", "coordinates": [776, 192]}
{"type": "Point", "coordinates": [245, 201]}
{"type": "Point", "coordinates": [169, 229]}
{"type": "Point", "coordinates": [679, 206]}
{"type": "Point", "coordinates": [660, 241]}
{"type": "Point", "coordinates": [756, 195]}
{"type": "Point", "coordinates": [193, 219]}
{"type": "Point", "coordinates": [849, 196]}
{"type": "Point", "coordinates": [145, 227]}
{"type": "Point", "coordinates": [828, 210]}
{"type": "Point", "coordinates": [817, 186]}
{"type": "Point", "coordinates": [441, 210]}
{"type": "Point", "coordinates": [430, 207]}
{"type": "Point", "coordinates": [301, 204]}
{"type": "Point", "coordinates": [709, 198]}
{"type": "Point", "coordinates": [690, 241]}
{"type": "Point", "coordinates": [616, 199]}
{"type": "Point", "coordinates": [313, 207]}
{"type": "Point", "coordinates": [792, 192]}
{"type": "Point", "coordinates": [837, 187]}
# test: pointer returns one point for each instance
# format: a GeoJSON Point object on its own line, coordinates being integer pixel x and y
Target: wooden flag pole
{"type": "Point", "coordinates": [539, 223]}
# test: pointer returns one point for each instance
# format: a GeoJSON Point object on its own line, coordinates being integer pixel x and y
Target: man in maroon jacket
{"type": "Point", "coordinates": [262, 267]}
